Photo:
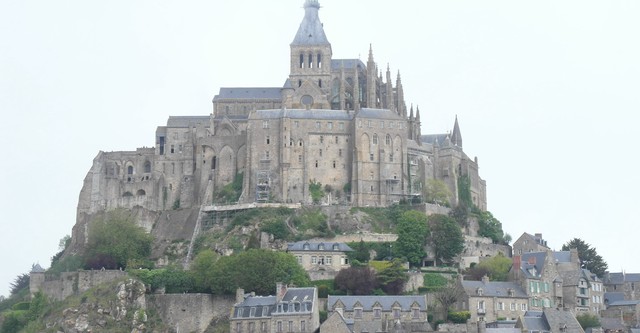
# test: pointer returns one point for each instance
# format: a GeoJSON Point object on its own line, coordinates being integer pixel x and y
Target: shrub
{"type": "Point", "coordinates": [459, 317]}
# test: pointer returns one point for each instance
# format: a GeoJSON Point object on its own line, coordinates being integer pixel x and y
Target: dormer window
{"type": "Point", "coordinates": [336, 247]}
{"type": "Point", "coordinates": [321, 247]}
{"type": "Point", "coordinates": [305, 246]}
{"type": "Point", "coordinates": [357, 313]}
{"type": "Point", "coordinates": [480, 292]}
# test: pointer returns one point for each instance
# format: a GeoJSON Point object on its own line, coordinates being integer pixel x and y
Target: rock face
{"type": "Point", "coordinates": [116, 307]}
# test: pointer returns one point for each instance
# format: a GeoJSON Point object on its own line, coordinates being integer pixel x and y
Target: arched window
{"type": "Point", "coordinates": [127, 194]}
{"type": "Point", "coordinates": [388, 139]}
{"type": "Point", "coordinates": [310, 60]}
{"type": "Point", "coordinates": [319, 59]}
{"type": "Point", "coordinates": [214, 161]}
{"type": "Point", "coordinates": [130, 170]}
{"type": "Point", "coordinates": [147, 167]}
{"type": "Point", "coordinates": [320, 83]}
{"type": "Point", "coordinates": [375, 139]}
{"type": "Point", "coordinates": [141, 193]}
{"type": "Point", "coordinates": [301, 60]}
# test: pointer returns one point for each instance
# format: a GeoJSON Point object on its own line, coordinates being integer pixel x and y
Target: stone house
{"type": "Point", "coordinates": [549, 320]}
{"type": "Point", "coordinates": [321, 260]}
{"type": "Point", "coordinates": [582, 291]}
{"type": "Point", "coordinates": [529, 243]}
{"type": "Point", "coordinates": [490, 301]}
{"type": "Point", "coordinates": [628, 310]}
{"type": "Point", "coordinates": [537, 274]}
{"type": "Point", "coordinates": [626, 283]}
{"type": "Point", "coordinates": [290, 310]}
{"type": "Point", "coordinates": [357, 314]}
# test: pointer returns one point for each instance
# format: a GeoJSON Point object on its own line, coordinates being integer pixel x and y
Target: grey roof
{"type": "Point", "coordinates": [187, 121]}
{"type": "Point", "coordinates": [316, 246]}
{"type": "Point", "coordinates": [562, 256]}
{"type": "Point", "coordinates": [493, 289]}
{"type": "Point", "coordinates": [624, 303]}
{"type": "Point", "coordinates": [37, 269]}
{"type": "Point", "coordinates": [533, 321]}
{"type": "Point", "coordinates": [532, 260]}
{"type": "Point", "coordinates": [611, 297]}
{"type": "Point", "coordinates": [614, 323]}
{"type": "Point", "coordinates": [572, 278]}
{"type": "Point", "coordinates": [378, 114]}
{"type": "Point", "coordinates": [310, 31]}
{"type": "Point", "coordinates": [386, 302]}
{"type": "Point", "coordinates": [621, 277]}
{"type": "Point", "coordinates": [303, 114]}
{"type": "Point", "coordinates": [338, 64]}
{"type": "Point", "coordinates": [249, 93]}
{"type": "Point", "coordinates": [557, 318]}
{"type": "Point", "coordinates": [434, 138]}
{"type": "Point", "coordinates": [264, 306]}
{"type": "Point", "coordinates": [298, 294]}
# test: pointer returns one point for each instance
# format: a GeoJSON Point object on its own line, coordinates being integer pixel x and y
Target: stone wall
{"type": "Point", "coordinates": [73, 283]}
{"type": "Point", "coordinates": [191, 312]}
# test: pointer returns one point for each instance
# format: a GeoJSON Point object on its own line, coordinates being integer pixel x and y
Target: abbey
{"type": "Point", "coordinates": [335, 122]}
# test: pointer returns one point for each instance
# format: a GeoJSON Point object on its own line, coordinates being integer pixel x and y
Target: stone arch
{"type": "Point", "coordinates": [127, 194]}
{"type": "Point", "coordinates": [225, 130]}
{"type": "Point", "coordinates": [147, 167]}
{"type": "Point", "coordinates": [365, 146]}
{"type": "Point", "coordinates": [129, 169]}
{"type": "Point", "coordinates": [226, 165]}
{"type": "Point", "coordinates": [141, 192]}
{"type": "Point", "coordinates": [209, 158]}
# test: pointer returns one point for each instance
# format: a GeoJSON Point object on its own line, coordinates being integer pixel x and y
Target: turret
{"type": "Point", "coordinates": [389, 101]}
{"type": "Point", "coordinates": [402, 109]}
{"type": "Point", "coordinates": [456, 136]}
{"type": "Point", "coordinates": [371, 80]}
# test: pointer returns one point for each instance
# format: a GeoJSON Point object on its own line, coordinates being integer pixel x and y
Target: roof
{"type": "Point", "coordinates": [303, 114]}
{"type": "Point", "coordinates": [621, 277]}
{"type": "Point", "coordinates": [37, 269]}
{"type": "Point", "coordinates": [264, 306]}
{"type": "Point", "coordinates": [614, 323]}
{"type": "Point", "coordinates": [338, 64]}
{"type": "Point", "coordinates": [434, 139]}
{"type": "Point", "coordinates": [562, 256]}
{"type": "Point", "coordinates": [611, 297]}
{"type": "Point", "coordinates": [533, 260]}
{"type": "Point", "coordinates": [533, 321]}
{"type": "Point", "coordinates": [493, 289]}
{"type": "Point", "coordinates": [624, 303]}
{"type": "Point", "coordinates": [249, 93]}
{"type": "Point", "coordinates": [310, 31]}
{"type": "Point", "coordinates": [319, 246]}
{"type": "Point", "coordinates": [378, 114]}
{"type": "Point", "coordinates": [557, 318]}
{"type": "Point", "coordinates": [187, 121]}
{"type": "Point", "coordinates": [386, 302]}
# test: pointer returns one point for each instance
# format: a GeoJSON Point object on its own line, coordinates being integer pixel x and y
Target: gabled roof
{"type": "Point", "coordinates": [264, 306]}
{"type": "Point", "coordinates": [319, 246]}
{"type": "Point", "coordinates": [613, 324]}
{"type": "Point", "coordinates": [272, 93]}
{"type": "Point", "coordinates": [378, 114]}
{"type": "Point", "coordinates": [533, 260]}
{"type": "Point", "coordinates": [624, 303]}
{"type": "Point", "coordinates": [557, 319]}
{"type": "Point", "coordinates": [36, 268]}
{"type": "Point", "coordinates": [311, 31]}
{"type": "Point", "coordinates": [385, 302]}
{"type": "Point", "coordinates": [621, 277]}
{"type": "Point", "coordinates": [187, 121]}
{"type": "Point", "coordinates": [338, 64]}
{"type": "Point", "coordinates": [562, 256]}
{"type": "Point", "coordinates": [493, 289]}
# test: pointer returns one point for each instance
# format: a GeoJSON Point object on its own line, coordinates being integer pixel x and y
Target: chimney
{"type": "Point", "coordinates": [239, 295]}
{"type": "Point", "coordinates": [574, 257]}
{"type": "Point", "coordinates": [281, 289]}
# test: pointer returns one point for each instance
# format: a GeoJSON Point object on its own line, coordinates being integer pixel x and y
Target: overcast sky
{"type": "Point", "coordinates": [547, 94]}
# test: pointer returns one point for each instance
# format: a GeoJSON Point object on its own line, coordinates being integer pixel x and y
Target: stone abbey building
{"type": "Point", "coordinates": [337, 122]}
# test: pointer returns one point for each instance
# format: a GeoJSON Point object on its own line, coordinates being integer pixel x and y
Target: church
{"type": "Point", "coordinates": [337, 125]}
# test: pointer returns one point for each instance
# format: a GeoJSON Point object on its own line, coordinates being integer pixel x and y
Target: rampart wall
{"type": "Point", "coordinates": [191, 312]}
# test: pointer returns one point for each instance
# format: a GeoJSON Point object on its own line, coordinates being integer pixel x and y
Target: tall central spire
{"type": "Point", "coordinates": [311, 31]}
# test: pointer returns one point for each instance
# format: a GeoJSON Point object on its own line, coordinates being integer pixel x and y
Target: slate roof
{"type": "Point", "coordinates": [315, 246]}
{"type": "Point", "coordinates": [378, 114]}
{"type": "Point", "coordinates": [493, 289]}
{"type": "Point", "coordinates": [303, 114]}
{"type": "Point", "coordinates": [619, 278]}
{"type": "Point", "coordinates": [611, 297]}
{"type": "Point", "coordinates": [434, 139]}
{"type": "Point", "coordinates": [533, 321]}
{"type": "Point", "coordinates": [532, 260]}
{"type": "Point", "coordinates": [612, 323]}
{"type": "Point", "coordinates": [310, 31]}
{"type": "Point", "coordinates": [624, 303]}
{"type": "Point", "coordinates": [249, 93]}
{"type": "Point", "coordinates": [186, 121]}
{"type": "Point", "coordinates": [37, 269]}
{"type": "Point", "coordinates": [558, 318]}
{"type": "Point", "coordinates": [338, 64]}
{"type": "Point", "coordinates": [386, 302]}
{"type": "Point", "coordinates": [562, 256]}
{"type": "Point", "coordinates": [265, 306]}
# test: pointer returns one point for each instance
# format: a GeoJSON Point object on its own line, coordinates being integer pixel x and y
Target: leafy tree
{"type": "Point", "coordinates": [490, 227]}
{"type": "Point", "coordinates": [315, 188]}
{"type": "Point", "coordinates": [496, 268]}
{"type": "Point", "coordinates": [20, 282]}
{"type": "Point", "coordinates": [116, 239]}
{"type": "Point", "coordinates": [460, 214]}
{"type": "Point", "coordinates": [436, 191]}
{"type": "Point", "coordinates": [356, 280]}
{"type": "Point", "coordinates": [257, 270]}
{"type": "Point", "coordinates": [361, 252]}
{"type": "Point", "coordinates": [392, 278]}
{"type": "Point", "coordinates": [202, 269]}
{"type": "Point", "coordinates": [277, 227]}
{"type": "Point", "coordinates": [588, 320]}
{"type": "Point", "coordinates": [589, 258]}
{"type": "Point", "coordinates": [412, 233]}
{"type": "Point", "coordinates": [446, 237]}
{"type": "Point", "coordinates": [449, 295]}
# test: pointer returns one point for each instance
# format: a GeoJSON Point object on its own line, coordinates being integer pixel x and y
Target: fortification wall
{"type": "Point", "coordinates": [191, 312]}
{"type": "Point", "coordinates": [73, 283]}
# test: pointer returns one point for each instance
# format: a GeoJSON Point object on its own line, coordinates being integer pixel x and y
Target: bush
{"type": "Point", "coordinates": [21, 306]}
{"type": "Point", "coordinates": [460, 317]}
{"type": "Point", "coordinates": [434, 281]}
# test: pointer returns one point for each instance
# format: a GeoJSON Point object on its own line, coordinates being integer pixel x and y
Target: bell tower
{"type": "Point", "coordinates": [310, 74]}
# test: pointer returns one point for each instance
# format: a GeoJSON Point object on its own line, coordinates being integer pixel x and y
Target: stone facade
{"type": "Point", "coordinates": [490, 301]}
{"type": "Point", "coordinates": [334, 121]}
{"type": "Point", "coordinates": [529, 243]}
{"type": "Point", "coordinates": [322, 261]}
{"type": "Point", "coordinates": [71, 283]}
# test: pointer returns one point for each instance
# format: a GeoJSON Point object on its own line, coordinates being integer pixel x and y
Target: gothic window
{"type": "Point", "coordinates": [319, 59]}
{"type": "Point", "coordinates": [320, 83]}
{"type": "Point", "coordinates": [301, 60]}
{"type": "Point", "coordinates": [147, 167]}
{"type": "Point", "coordinates": [375, 139]}
{"type": "Point", "coordinates": [130, 170]}
{"type": "Point", "coordinates": [213, 162]}
{"type": "Point", "coordinates": [310, 60]}
{"type": "Point", "coordinates": [141, 193]}
{"type": "Point", "coordinates": [387, 140]}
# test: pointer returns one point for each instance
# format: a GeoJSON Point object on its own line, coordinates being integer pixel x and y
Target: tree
{"type": "Point", "coordinates": [392, 278]}
{"type": "Point", "coordinates": [116, 239]}
{"type": "Point", "coordinates": [361, 252]}
{"type": "Point", "coordinates": [256, 270]}
{"type": "Point", "coordinates": [589, 258]}
{"type": "Point", "coordinates": [490, 227]}
{"type": "Point", "coordinates": [412, 233]}
{"type": "Point", "coordinates": [436, 191]}
{"type": "Point", "coordinates": [496, 268]}
{"type": "Point", "coordinates": [20, 282]}
{"type": "Point", "coordinates": [202, 269]}
{"type": "Point", "coordinates": [446, 238]}
{"type": "Point", "coordinates": [449, 295]}
{"type": "Point", "coordinates": [356, 280]}
{"type": "Point", "coordinates": [588, 320]}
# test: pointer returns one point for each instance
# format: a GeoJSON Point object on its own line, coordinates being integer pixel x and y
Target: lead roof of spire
{"type": "Point", "coordinates": [310, 31]}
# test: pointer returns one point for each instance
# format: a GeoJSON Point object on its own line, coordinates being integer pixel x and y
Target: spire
{"type": "Point", "coordinates": [310, 31]}
{"type": "Point", "coordinates": [402, 109]}
{"type": "Point", "coordinates": [411, 114]}
{"type": "Point", "coordinates": [418, 114]}
{"type": "Point", "coordinates": [389, 100]}
{"type": "Point", "coordinates": [356, 90]}
{"type": "Point", "coordinates": [456, 135]}
{"type": "Point", "coordinates": [370, 53]}
{"type": "Point", "coordinates": [372, 75]}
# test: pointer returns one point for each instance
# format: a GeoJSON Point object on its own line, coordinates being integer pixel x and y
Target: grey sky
{"type": "Point", "coordinates": [546, 92]}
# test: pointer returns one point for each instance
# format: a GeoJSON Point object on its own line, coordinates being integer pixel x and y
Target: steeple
{"type": "Point", "coordinates": [402, 109]}
{"type": "Point", "coordinates": [456, 136]}
{"type": "Point", "coordinates": [372, 75]}
{"type": "Point", "coordinates": [311, 31]}
{"type": "Point", "coordinates": [389, 100]}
